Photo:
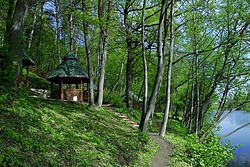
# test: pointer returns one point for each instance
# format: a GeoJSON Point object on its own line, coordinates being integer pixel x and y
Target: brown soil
{"type": "Point", "coordinates": [163, 155]}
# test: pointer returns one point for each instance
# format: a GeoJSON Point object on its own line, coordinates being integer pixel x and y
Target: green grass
{"type": "Point", "coordinates": [36, 132]}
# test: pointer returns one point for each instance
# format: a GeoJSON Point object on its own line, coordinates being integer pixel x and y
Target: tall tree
{"type": "Point", "coordinates": [71, 26]}
{"type": "Point", "coordinates": [33, 25]}
{"type": "Point", "coordinates": [88, 53]}
{"type": "Point", "coordinates": [145, 68]}
{"type": "Point", "coordinates": [130, 58]}
{"type": "Point", "coordinates": [104, 12]}
{"type": "Point", "coordinates": [169, 71]}
{"type": "Point", "coordinates": [57, 28]}
{"type": "Point", "coordinates": [161, 47]}
{"type": "Point", "coordinates": [15, 36]}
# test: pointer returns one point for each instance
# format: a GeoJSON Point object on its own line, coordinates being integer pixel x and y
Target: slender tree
{"type": "Point", "coordinates": [130, 57]}
{"type": "Point", "coordinates": [104, 12]}
{"type": "Point", "coordinates": [169, 71]}
{"type": "Point", "coordinates": [57, 29]}
{"type": "Point", "coordinates": [88, 54]}
{"type": "Point", "coordinates": [162, 35]}
{"type": "Point", "coordinates": [33, 25]}
{"type": "Point", "coordinates": [145, 68]}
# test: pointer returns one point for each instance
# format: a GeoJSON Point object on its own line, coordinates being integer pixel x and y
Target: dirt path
{"type": "Point", "coordinates": [162, 157]}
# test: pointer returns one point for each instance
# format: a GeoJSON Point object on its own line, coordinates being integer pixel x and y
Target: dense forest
{"type": "Point", "coordinates": [178, 59]}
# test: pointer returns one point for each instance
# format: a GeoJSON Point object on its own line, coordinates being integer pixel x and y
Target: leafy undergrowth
{"type": "Point", "coordinates": [36, 132]}
{"type": "Point", "coordinates": [36, 82]}
{"type": "Point", "coordinates": [188, 152]}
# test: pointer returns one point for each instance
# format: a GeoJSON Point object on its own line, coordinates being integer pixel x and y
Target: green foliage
{"type": "Point", "coordinates": [37, 82]}
{"type": "Point", "coordinates": [116, 100]}
{"type": "Point", "coordinates": [208, 153]}
{"type": "Point", "coordinates": [189, 151]}
{"type": "Point", "coordinates": [175, 126]}
{"type": "Point", "coordinates": [36, 132]}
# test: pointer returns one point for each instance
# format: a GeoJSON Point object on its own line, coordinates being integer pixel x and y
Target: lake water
{"type": "Point", "coordinates": [233, 121]}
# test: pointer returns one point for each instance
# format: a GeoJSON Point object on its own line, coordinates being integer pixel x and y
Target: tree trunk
{"type": "Point", "coordinates": [129, 66]}
{"type": "Point", "coordinates": [170, 62]}
{"type": "Point", "coordinates": [15, 39]}
{"type": "Point", "coordinates": [161, 66]}
{"type": "Point", "coordinates": [58, 30]}
{"type": "Point", "coordinates": [103, 45]}
{"type": "Point", "coordinates": [119, 77]}
{"type": "Point", "coordinates": [33, 26]}
{"type": "Point", "coordinates": [9, 20]}
{"type": "Point", "coordinates": [239, 128]}
{"type": "Point", "coordinates": [89, 57]}
{"type": "Point", "coordinates": [145, 68]}
{"type": "Point", "coordinates": [71, 30]}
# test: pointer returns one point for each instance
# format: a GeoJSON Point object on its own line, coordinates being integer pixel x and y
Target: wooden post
{"type": "Point", "coordinates": [88, 91]}
{"type": "Point", "coordinates": [20, 81]}
{"type": "Point", "coordinates": [27, 78]}
{"type": "Point", "coordinates": [81, 91]}
{"type": "Point", "coordinates": [61, 89]}
{"type": "Point", "coordinates": [51, 89]}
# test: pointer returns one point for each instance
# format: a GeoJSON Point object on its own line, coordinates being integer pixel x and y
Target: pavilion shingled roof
{"type": "Point", "coordinates": [26, 60]}
{"type": "Point", "coordinates": [69, 69]}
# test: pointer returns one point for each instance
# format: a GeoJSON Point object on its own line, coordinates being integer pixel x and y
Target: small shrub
{"type": "Point", "coordinates": [208, 153]}
{"type": "Point", "coordinates": [116, 100]}
{"type": "Point", "coordinates": [189, 151]}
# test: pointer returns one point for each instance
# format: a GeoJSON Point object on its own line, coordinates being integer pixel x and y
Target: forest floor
{"type": "Point", "coordinates": [163, 155]}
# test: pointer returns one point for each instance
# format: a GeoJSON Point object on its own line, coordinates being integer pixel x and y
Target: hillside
{"type": "Point", "coordinates": [36, 132]}
{"type": "Point", "coordinates": [39, 132]}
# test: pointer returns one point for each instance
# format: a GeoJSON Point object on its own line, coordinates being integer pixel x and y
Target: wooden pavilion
{"type": "Point", "coordinates": [26, 63]}
{"type": "Point", "coordinates": [71, 78]}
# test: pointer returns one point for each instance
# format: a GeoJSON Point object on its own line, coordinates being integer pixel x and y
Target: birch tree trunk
{"type": "Point", "coordinates": [161, 65]}
{"type": "Point", "coordinates": [169, 72]}
{"type": "Point", "coordinates": [33, 26]}
{"type": "Point", "coordinates": [196, 97]}
{"type": "Point", "coordinates": [145, 98]}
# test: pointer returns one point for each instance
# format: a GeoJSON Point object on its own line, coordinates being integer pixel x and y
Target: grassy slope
{"type": "Point", "coordinates": [36, 132]}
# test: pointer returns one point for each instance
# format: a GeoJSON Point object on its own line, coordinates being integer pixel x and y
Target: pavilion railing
{"type": "Point", "coordinates": [71, 94]}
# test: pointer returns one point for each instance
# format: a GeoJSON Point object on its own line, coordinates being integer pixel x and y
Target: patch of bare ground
{"type": "Point", "coordinates": [163, 155]}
